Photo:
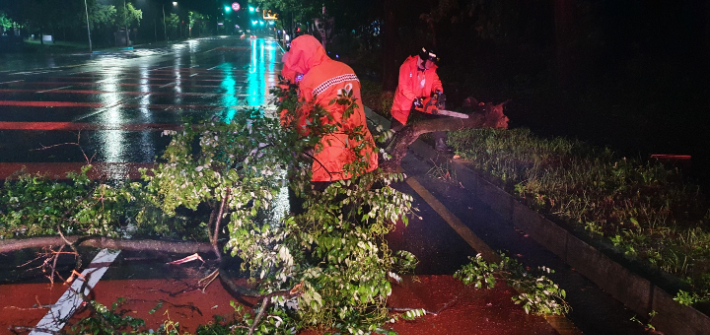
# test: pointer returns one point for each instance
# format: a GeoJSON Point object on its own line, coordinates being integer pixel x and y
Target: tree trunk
{"type": "Point", "coordinates": [490, 117]}
{"type": "Point", "coordinates": [105, 242]}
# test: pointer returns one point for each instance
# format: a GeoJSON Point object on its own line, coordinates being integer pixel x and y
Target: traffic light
{"type": "Point", "coordinates": [227, 9]}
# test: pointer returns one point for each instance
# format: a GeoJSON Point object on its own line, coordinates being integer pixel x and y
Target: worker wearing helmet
{"type": "Point", "coordinates": [323, 81]}
{"type": "Point", "coordinates": [417, 81]}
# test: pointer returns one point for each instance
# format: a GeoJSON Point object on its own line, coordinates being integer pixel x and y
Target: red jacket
{"type": "Point", "coordinates": [413, 83]}
{"type": "Point", "coordinates": [323, 79]}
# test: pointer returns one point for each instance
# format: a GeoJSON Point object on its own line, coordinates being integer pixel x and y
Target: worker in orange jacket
{"type": "Point", "coordinates": [323, 80]}
{"type": "Point", "coordinates": [417, 81]}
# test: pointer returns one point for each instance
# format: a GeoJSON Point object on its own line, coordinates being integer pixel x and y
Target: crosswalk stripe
{"type": "Point", "coordinates": [74, 126]}
{"type": "Point", "coordinates": [54, 89]}
{"type": "Point", "coordinates": [71, 104]}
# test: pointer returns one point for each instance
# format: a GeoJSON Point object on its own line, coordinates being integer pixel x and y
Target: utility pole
{"type": "Point", "coordinates": [88, 29]}
{"type": "Point", "coordinates": [165, 28]}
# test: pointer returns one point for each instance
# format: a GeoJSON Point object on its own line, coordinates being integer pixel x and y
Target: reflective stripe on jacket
{"type": "Point", "coordinates": [323, 79]}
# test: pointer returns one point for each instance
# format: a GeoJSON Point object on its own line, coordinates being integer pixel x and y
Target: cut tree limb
{"type": "Point", "coordinates": [105, 242]}
{"type": "Point", "coordinates": [490, 116]}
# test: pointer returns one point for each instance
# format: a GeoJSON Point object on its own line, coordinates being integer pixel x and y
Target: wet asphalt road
{"type": "Point", "coordinates": [115, 105]}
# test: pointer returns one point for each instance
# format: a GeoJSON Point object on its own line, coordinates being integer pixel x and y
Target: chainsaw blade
{"type": "Point", "coordinates": [452, 114]}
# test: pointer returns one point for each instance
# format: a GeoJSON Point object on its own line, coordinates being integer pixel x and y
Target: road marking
{"type": "Point", "coordinates": [54, 89]}
{"type": "Point", "coordinates": [216, 66]}
{"type": "Point", "coordinates": [192, 75]}
{"type": "Point", "coordinates": [10, 82]}
{"type": "Point", "coordinates": [214, 78]}
{"type": "Point", "coordinates": [74, 126]}
{"type": "Point", "coordinates": [168, 84]}
{"type": "Point", "coordinates": [453, 221]}
{"type": "Point", "coordinates": [50, 104]}
{"type": "Point", "coordinates": [69, 104]}
{"type": "Point", "coordinates": [561, 324]}
{"type": "Point", "coordinates": [186, 84]}
{"type": "Point", "coordinates": [27, 73]}
{"type": "Point", "coordinates": [71, 300]}
{"type": "Point", "coordinates": [164, 67]}
{"type": "Point", "coordinates": [95, 92]}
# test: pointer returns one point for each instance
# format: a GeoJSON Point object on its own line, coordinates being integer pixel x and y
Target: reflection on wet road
{"type": "Point", "coordinates": [115, 105]}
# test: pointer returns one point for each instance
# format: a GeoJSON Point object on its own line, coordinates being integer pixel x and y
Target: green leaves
{"type": "Point", "coordinates": [333, 255]}
{"type": "Point", "coordinates": [537, 293]}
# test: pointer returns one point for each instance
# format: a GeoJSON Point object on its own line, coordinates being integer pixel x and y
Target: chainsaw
{"type": "Point", "coordinates": [434, 105]}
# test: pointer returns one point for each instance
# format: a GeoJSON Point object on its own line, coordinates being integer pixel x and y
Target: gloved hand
{"type": "Point", "coordinates": [418, 103]}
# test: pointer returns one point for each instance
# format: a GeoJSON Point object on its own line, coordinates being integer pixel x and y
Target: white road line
{"type": "Point", "coordinates": [192, 75]}
{"type": "Point", "coordinates": [214, 67]}
{"type": "Point", "coordinates": [26, 73]}
{"type": "Point", "coordinates": [10, 82]}
{"type": "Point", "coordinates": [168, 84]}
{"type": "Point", "coordinates": [164, 67]}
{"type": "Point", "coordinates": [194, 66]}
{"type": "Point", "coordinates": [70, 301]}
{"type": "Point", "coordinates": [55, 89]}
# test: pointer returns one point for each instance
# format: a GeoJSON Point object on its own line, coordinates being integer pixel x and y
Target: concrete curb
{"type": "Point", "coordinates": [635, 292]}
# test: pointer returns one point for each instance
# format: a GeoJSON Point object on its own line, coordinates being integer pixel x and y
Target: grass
{"type": "Point", "coordinates": [645, 210]}
{"type": "Point", "coordinates": [55, 46]}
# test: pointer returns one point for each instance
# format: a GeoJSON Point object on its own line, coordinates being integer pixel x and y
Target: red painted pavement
{"type": "Point", "coordinates": [185, 84]}
{"type": "Point", "coordinates": [71, 126]}
{"type": "Point", "coordinates": [95, 92]}
{"type": "Point", "coordinates": [50, 104]}
{"type": "Point", "coordinates": [469, 311]}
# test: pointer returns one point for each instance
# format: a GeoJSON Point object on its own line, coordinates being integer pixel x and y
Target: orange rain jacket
{"type": "Point", "coordinates": [323, 79]}
{"type": "Point", "coordinates": [413, 83]}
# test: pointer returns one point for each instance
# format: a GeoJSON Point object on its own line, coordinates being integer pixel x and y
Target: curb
{"type": "Point", "coordinates": [635, 292]}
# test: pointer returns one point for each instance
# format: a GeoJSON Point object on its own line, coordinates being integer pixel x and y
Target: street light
{"type": "Point", "coordinates": [174, 3]}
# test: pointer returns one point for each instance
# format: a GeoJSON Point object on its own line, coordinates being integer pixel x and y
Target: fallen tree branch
{"type": "Point", "coordinates": [105, 242]}
{"type": "Point", "coordinates": [490, 116]}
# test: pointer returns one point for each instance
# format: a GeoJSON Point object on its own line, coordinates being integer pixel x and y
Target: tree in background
{"type": "Point", "coordinates": [35, 15]}
{"type": "Point", "coordinates": [173, 23]}
{"type": "Point", "coordinates": [5, 22]}
{"type": "Point", "coordinates": [126, 16]}
{"type": "Point", "coordinates": [197, 23]}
